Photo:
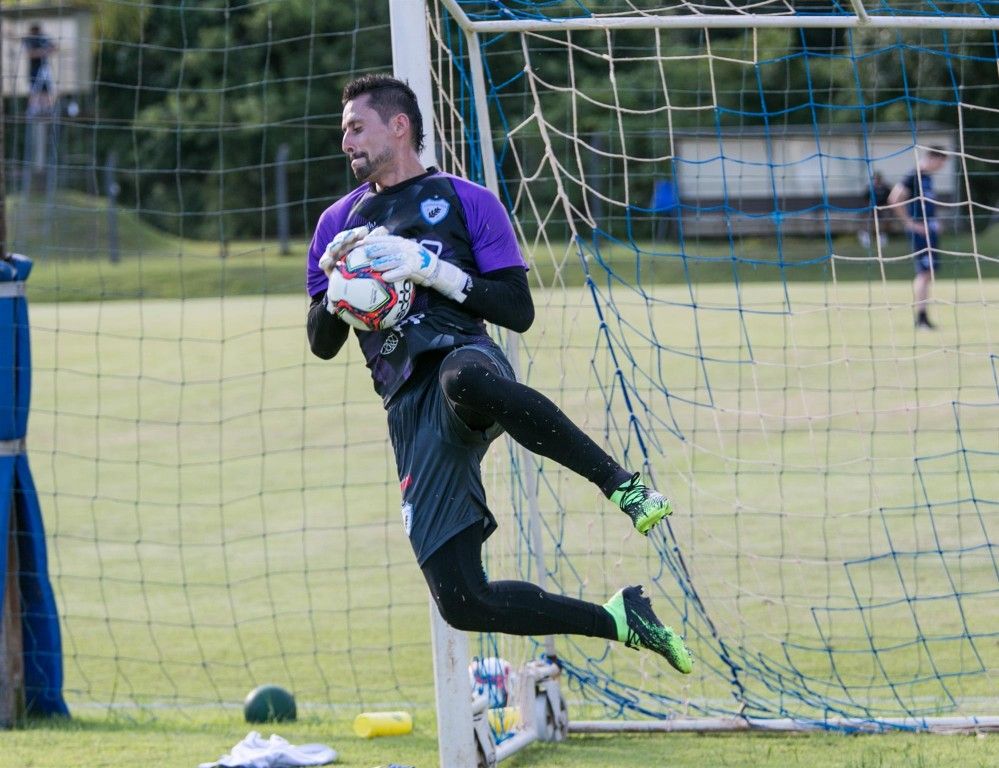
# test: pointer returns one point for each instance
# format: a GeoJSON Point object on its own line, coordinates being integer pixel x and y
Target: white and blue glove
{"type": "Point", "coordinates": [408, 260]}
{"type": "Point", "coordinates": [343, 243]}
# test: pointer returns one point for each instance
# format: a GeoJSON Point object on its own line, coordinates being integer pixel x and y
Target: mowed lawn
{"type": "Point", "coordinates": [222, 510]}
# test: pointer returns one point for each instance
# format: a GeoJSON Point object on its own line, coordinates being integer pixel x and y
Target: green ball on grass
{"type": "Point", "coordinates": [269, 704]}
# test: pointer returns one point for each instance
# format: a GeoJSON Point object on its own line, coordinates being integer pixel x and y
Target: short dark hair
{"type": "Point", "coordinates": [388, 97]}
{"type": "Point", "coordinates": [938, 152]}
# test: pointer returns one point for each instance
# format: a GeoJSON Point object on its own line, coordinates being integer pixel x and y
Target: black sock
{"type": "Point", "coordinates": [615, 481]}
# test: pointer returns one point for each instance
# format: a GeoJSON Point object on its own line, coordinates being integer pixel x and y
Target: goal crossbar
{"type": "Point", "coordinates": [862, 19]}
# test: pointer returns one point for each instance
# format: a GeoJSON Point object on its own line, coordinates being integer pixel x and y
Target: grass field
{"type": "Point", "coordinates": [72, 233]}
{"type": "Point", "coordinates": [185, 742]}
{"type": "Point", "coordinates": [221, 507]}
{"type": "Point", "coordinates": [209, 529]}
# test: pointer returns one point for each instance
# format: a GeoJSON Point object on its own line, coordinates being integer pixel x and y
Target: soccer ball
{"type": "Point", "coordinates": [269, 703]}
{"type": "Point", "coordinates": [491, 677]}
{"type": "Point", "coordinates": [362, 298]}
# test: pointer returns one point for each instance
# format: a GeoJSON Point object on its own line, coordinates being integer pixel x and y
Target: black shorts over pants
{"type": "Point", "coordinates": [438, 458]}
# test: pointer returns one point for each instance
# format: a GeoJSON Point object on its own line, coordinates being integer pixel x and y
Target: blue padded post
{"type": "Point", "coordinates": [41, 641]}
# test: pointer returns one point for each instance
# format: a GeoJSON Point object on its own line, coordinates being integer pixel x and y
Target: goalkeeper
{"type": "Point", "coordinates": [448, 388]}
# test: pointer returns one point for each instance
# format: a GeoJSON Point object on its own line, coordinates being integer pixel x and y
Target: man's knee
{"type": "Point", "coordinates": [466, 376]}
{"type": "Point", "coordinates": [463, 611]}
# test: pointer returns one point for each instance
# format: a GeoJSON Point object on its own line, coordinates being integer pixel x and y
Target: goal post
{"type": "Point", "coordinates": [456, 741]}
{"type": "Point", "coordinates": [11, 652]}
{"type": "Point", "coordinates": [464, 736]}
{"type": "Point", "coordinates": [30, 642]}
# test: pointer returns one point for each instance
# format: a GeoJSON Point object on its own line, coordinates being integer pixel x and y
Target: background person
{"type": "Point", "coordinates": [39, 47]}
{"type": "Point", "coordinates": [914, 203]}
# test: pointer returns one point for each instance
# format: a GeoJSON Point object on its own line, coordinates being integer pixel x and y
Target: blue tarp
{"type": "Point", "coordinates": [19, 506]}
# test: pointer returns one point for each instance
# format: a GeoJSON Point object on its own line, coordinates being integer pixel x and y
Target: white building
{"type": "Point", "coordinates": [799, 178]}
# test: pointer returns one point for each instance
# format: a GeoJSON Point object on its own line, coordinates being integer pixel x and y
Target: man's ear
{"type": "Point", "coordinates": [399, 125]}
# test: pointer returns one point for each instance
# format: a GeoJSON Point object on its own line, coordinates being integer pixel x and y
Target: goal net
{"type": "Point", "coordinates": [725, 301]}
{"type": "Point", "coordinates": [726, 283]}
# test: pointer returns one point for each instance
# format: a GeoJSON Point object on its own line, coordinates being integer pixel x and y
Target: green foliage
{"type": "Point", "coordinates": [922, 79]}
{"type": "Point", "coordinates": [625, 93]}
{"type": "Point", "coordinates": [196, 100]}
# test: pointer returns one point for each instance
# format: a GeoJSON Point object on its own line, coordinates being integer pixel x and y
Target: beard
{"type": "Point", "coordinates": [365, 170]}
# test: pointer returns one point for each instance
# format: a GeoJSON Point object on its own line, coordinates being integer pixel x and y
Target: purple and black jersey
{"type": "Point", "coordinates": [462, 222]}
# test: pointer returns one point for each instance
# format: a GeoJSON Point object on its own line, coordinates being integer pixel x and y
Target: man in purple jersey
{"type": "Point", "coordinates": [448, 389]}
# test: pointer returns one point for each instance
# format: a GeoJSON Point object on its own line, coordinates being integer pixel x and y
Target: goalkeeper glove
{"type": "Point", "coordinates": [343, 243]}
{"type": "Point", "coordinates": [408, 260]}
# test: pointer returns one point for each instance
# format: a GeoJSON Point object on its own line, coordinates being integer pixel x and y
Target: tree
{"type": "Point", "coordinates": [197, 99]}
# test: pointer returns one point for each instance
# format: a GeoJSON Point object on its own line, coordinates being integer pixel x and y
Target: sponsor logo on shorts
{"type": "Point", "coordinates": [407, 517]}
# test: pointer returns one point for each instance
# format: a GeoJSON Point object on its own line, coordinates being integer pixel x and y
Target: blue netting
{"type": "Point", "coordinates": [835, 555]}
{"type": "Point", "coordinates": [561, 10]}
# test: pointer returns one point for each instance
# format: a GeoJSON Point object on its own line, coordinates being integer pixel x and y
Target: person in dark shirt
{"type": "Point", "coordinates": [915, 204]}
{"type": "Point", "coordinates": [879, 189]}
{"type": "Point", "coordinates": [447, 387]}
{"type": "Point", "coordinates": [38, 47]}
{"type": "Point", "coordinates": [878, 197]}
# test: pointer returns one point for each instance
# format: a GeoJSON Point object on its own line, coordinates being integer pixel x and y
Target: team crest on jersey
{"type": "Point", "coordinates": [434, 210]}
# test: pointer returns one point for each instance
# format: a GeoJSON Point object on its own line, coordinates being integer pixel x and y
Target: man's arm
{"type": "Point", "coordinates": [899, 199]}
{"type": "Point", "coordinates": [326, 333]}
{"type": "Point", "coordinates": [502, 297]}
{"type": "Point", "coordinates": [40, 48]}
{"type": "Point", "coordinates": [330, 242]}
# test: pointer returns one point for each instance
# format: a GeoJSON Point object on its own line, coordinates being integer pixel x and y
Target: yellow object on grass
{"type": "Point", "coordinates": [370, 724]}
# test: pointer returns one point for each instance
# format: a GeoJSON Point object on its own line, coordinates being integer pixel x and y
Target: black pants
{"type": "Point", "coordinates": [481, 397]}
{"type": "Point", "coordinates": [468, 601]}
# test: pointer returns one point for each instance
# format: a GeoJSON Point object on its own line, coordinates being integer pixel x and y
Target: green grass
{"type": "Point", "coordinates": [173, 742]}
{"type": "Point", "coordinates": [68, 242]}
{"type": "Point", "coordinates": [222, 508]}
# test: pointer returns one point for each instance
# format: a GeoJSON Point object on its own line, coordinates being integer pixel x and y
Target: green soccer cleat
{"type": "Point", "coordinates": [639, 627]}
{"type": "Point", "coordinates": [645, 506]}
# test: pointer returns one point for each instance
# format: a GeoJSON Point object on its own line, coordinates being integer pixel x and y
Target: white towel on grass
{"type": "Point", "coordinates": [256, 752]}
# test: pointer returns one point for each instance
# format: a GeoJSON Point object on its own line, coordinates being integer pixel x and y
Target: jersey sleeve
{"type": "Point", "coordinates": [494, 243]}
{"type": "Point", "coordinates": [331, 221]}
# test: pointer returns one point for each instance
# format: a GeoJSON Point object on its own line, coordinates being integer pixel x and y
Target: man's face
{"type": "Point", "coordinates": [367, 140]}
{"type": "Point", "coordinates": [934, 163]}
